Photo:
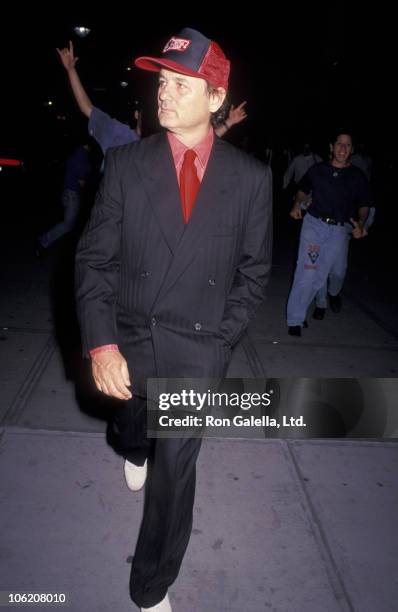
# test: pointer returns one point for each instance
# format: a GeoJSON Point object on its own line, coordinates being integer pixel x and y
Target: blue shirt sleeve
{"type": "Point", "coordinates": [109, 132]}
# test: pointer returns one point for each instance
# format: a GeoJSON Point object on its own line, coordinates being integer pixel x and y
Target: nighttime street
{"type": "Point", "coordinates": [291, 522]}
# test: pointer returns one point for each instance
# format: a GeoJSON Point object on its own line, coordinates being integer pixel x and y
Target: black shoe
{"type": "Point", "coordinates": [319, 313]}
{"type": "Point", "coordinates": [295, 330]}
{"type": "Point", "coordinates": [335, 303]}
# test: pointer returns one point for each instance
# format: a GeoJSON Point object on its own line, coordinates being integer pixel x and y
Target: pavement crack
{"type": "Point", "coordinates": [14, 411]}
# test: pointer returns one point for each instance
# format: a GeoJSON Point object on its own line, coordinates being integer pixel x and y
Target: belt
{"type": "Point", "coordinates": [329, 220]}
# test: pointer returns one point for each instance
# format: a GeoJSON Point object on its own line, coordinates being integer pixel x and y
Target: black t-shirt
{"type": "Point", "coordinates": [336, 192]}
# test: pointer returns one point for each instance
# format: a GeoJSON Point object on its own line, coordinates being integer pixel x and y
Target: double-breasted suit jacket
{"type": "Point", "coordinates": [174, 297]}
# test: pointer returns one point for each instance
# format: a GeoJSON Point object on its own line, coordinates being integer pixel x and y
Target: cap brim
{"type": "Point", "coordinates": [155, 64]}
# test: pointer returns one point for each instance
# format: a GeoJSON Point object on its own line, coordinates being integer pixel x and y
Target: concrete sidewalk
{"type": "Point", "coordinates": [283, 526]}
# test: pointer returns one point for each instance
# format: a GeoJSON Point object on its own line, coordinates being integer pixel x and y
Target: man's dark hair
{"type": "Point", "coordinates": [337, 132]}
{"type": "Point", "coordinates": [219, 116]}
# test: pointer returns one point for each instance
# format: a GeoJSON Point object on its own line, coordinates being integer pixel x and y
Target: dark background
{"type": "Point", "coordinates": [303, 71]}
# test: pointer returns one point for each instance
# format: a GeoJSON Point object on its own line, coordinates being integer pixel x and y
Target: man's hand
{"type": "Point", "coordinates": [111, 374]}
{"type": "Point", "coordinates": [236, 115]}
{"type": "Point", "coordinates": [67, 57]}
{"type": "Point", "coordinates": [296, 212]}
{"type": "Point", "coordinates": [359, 231]}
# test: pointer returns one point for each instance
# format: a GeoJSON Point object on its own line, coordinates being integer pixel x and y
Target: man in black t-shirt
{"type": "Point", "coordinates": [340, 196]}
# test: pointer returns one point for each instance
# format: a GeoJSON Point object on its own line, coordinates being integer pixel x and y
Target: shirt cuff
{"type": "Point", "coordinates": [103, 349]}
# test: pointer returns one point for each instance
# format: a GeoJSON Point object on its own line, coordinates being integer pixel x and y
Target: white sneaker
{"type": "Point", "coordinates": [162, 606]}
{"type": "Point", "coordinates": [135, 475]}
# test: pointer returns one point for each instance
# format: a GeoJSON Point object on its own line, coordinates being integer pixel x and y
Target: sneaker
{"type": "Point", "coordinates": [162, 606]}
{"type": "Point", "coordinates": [295, 330]}
{"type": "Point", "coordinates": [135, 475]}
{"type": "Point", "coordinates": [319, 313]}
{"type": "Point", "coordinates": [335, 303]}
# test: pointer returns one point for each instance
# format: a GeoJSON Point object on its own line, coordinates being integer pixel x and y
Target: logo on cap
{"type": "Point", "coordinates": [177, 44]}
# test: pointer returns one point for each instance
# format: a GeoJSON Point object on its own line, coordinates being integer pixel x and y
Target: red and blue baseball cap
{"type": "Point", "coordinates": [191, 53]}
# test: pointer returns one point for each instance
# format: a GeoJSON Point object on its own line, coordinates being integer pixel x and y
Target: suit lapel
{"type": "Point", "coordinates": [161, 186]}
{"type": "Point", "coordinates": [215, 193]}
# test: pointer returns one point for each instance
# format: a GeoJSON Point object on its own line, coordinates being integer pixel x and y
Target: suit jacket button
{"type": "Point", "coordinates": [198, 327]}
{"type": "Point", "coordinates": [212, 282]}
{"type": "Point", "coordinates": [153, 321]}
{"type": "Point", "coordinates": [144, 274]}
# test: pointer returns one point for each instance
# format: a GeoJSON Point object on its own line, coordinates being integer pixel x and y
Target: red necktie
{"type": "Point", "coordinates": [189, 183]}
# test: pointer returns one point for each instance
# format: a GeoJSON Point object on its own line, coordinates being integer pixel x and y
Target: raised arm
{"type": "Point", "coordinates": [235, 115]}
{"type": "Point", "coordinates": [69, 60]}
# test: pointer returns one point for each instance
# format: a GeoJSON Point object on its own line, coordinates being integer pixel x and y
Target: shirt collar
{"type": "Point", "coordinates": [202, 149]}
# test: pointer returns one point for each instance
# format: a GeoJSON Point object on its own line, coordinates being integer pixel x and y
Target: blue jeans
{"type": "Point", "coordinates": [322, 253]}
{"type": "Point", "coordinates": [335, 281]}
{"type": "Point", "coordinates": [71, 205]}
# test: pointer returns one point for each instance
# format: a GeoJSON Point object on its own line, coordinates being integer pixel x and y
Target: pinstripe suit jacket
{"type": "Point", "coordinates": [174, 298]}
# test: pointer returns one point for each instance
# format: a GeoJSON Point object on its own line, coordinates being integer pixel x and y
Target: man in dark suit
{"type": "Point", "coordinates": [170, 270]}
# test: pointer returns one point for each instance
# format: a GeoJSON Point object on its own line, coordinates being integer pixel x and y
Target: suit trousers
{"type": "Point", "coordinates": [169, 497]}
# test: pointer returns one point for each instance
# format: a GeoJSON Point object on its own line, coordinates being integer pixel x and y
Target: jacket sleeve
{"type": "Point", "coordinates": [254, 266]}
{"type": "Point", "coordinates": [98, 264]}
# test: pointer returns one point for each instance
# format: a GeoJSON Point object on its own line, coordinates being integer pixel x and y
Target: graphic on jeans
{"type": "Point", "coordinates": [313, 252]}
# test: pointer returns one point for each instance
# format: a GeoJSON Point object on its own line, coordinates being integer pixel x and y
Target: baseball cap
{"type": "Point", "coordinates": [191, 53]}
